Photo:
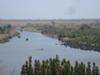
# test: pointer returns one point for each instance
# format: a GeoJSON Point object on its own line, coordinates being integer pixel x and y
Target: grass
{"type": "Point", "coordinates": [83, 34]}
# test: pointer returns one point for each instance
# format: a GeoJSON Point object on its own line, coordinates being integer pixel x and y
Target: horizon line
{"type": "Point", "coordinates": [56, 19]}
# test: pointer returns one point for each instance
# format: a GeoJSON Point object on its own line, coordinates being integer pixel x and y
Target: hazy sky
{"type": "Point", "coordinates": [49, 9]}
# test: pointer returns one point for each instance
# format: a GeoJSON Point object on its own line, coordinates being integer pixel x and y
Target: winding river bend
{"type": "Point", "coordinates": [14, 53]}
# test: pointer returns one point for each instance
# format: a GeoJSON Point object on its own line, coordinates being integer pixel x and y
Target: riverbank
{"type": "Point", "coordinates": [84, 37]}
{"type": "Point", "coordinates": [88, 39]}
{"type": "Point", "coordinates": [73, 43]}
{"type": "Point", "coordinates": [6, 37]}
{"type": "Point", "coordinates": [6, 33]}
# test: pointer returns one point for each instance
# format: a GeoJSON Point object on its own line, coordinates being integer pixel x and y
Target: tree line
{"type": "Point", "coordinates": [5, 28]}
{"type": "Point", "coordinates": [55, 66]}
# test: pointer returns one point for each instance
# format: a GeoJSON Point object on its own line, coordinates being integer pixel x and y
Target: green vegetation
{"type": "Point", "coordinates": [5, 29]}
{"type": "Point", "coordinates": [56, 66]}
{"type": "Point", "coordinates": [85, 36]}
{"type": "Point", "coordinates": [6, 33]}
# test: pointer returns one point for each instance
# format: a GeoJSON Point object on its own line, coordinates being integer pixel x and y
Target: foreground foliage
{"type": "Point", "coordinates": [58, 67]}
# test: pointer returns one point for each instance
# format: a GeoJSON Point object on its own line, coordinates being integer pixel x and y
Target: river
{"type": "Point", "coordinates": [15, 52]}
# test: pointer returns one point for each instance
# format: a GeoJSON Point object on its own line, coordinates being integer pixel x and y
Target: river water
{"type": "Point", "coordinates": [15, 52]}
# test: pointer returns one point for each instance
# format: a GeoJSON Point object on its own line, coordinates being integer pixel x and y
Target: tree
{"type": "Point", "coordinates": [53, 22]}
{"type": "Point", "coordinates": [30, 66]}
{"type": "Point", "coordinates": [56, 67]}
{"type": "Point", "coordinates": [9, 26]}
{"type": "Point", "coordinates": [23, 72]}
{"type": "Point", "coordinates": [94, 69]}
{"type": "Point", "coordinates": [76, 68]}
{"type": "Point", "coordinates": [97, 71]}
{"type": "Point", "coordinates": [37, 67]}
{"type": "Point", "coordinates": [88, 70]}
{"type": "Point", "coordinates": [0, 29]}
{"type": "Point", "coordinates": [71, 71]}
{"type": "Point", "coordinates": [26, 68]}
{"type": "Point", "coordinates": [85, 27]}
{"type": "Point", "coordinates": [81, 69]}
